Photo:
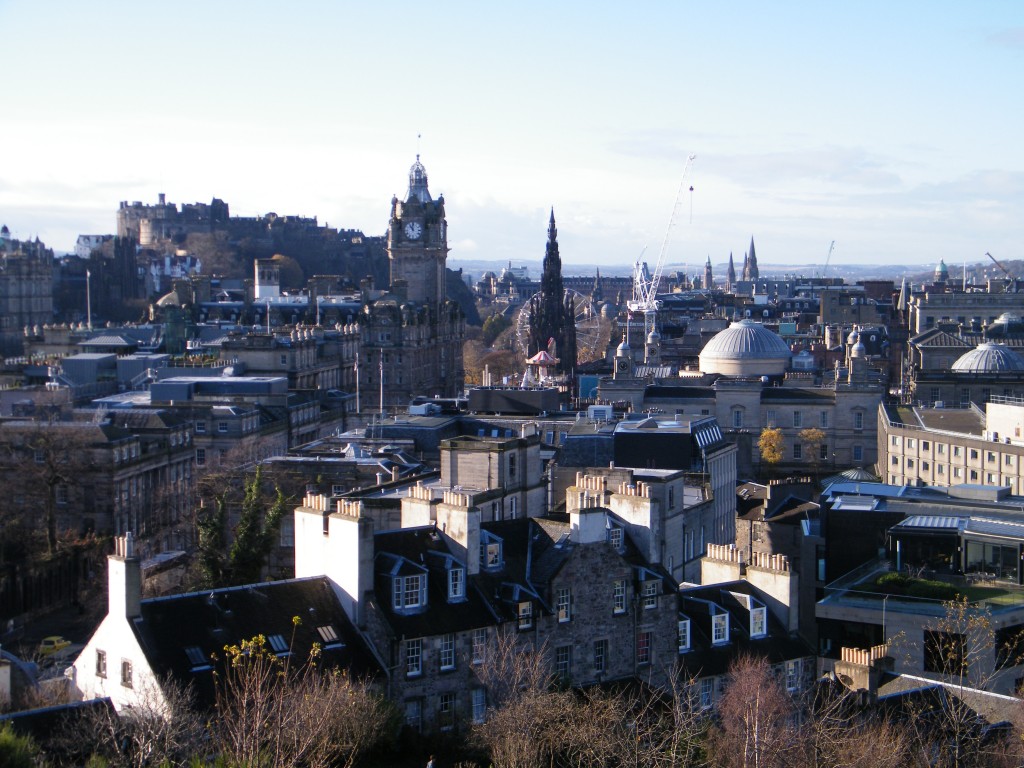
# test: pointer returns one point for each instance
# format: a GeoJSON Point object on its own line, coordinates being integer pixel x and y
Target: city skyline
{"type": "Point", "coordinates": [890, 130]}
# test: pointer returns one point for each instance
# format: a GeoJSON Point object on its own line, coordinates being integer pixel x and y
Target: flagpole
{"type": "Point", "coordinates": [381, 364]}
{"type": "Point", "coordinates": [88, 299]}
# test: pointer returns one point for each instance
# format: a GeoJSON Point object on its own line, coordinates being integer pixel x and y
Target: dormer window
{"type": "Point", "coordinates": [490, 551]}
{"type": "Point", "coordinates": [720, 628]}
{"type": "Point", "coordinates": [758, 622]}
{"type": "Point", "coordinates": [409, 591]}
{"type": "Point", "coordinates": [456, 584]}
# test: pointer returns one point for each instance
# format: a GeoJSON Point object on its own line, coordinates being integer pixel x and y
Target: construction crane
{"type": "Point", "coordinates": [824, 269]}
{"type": "Point", "coordinates": [645, 288]}
{"type": "Point", "coordinates": [1013, 280]}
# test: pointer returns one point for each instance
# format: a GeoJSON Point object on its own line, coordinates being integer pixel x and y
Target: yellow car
{"type": "Point", "coordinates": [52, 644]}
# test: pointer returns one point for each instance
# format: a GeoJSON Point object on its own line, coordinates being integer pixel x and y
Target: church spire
{"type": "Point", "coordinates": [752, 273]}
{"type": "Point", "coordinates": [709, 280]}
{"type": "Point", "coordinates": [730, 276]}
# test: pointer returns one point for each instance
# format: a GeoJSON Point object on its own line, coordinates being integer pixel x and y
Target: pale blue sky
{"type": "Point", "coordinates": [894, 129]}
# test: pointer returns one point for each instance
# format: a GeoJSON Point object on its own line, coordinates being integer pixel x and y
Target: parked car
{"type": "Point", "coordinates": [52, 644]}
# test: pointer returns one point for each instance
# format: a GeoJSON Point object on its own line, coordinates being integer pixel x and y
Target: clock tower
{"type": "Point", "coordinates": [418, 242]}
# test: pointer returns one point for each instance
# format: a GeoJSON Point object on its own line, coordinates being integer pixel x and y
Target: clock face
{"type": "Point", "coordinates": [413, 230]}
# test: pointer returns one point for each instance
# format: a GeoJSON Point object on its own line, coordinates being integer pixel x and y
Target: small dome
{"type": "Point", "coordinates": [418, 183]}
{"type": "Point", "coordinates": [654, 337]}
{"type": "Point", "coordinates": [623, 349]}
{"type": "Point", "coordinates": [989, 358]}
{"type": "Point", "coordinates": [941, 271]}
{"type": "Point", "coordinates": [858, 349]}
{"type": "Point", "coordinates": [745, 348]}
{"type": "Point", "coordinates": [853, 338]}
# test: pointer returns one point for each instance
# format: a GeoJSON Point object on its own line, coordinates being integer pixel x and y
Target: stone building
{"type": "Point", "coordinates": [26, 290]}
{"type": "Point", "coordinates": [944, 446]}
{"type": "Point", "coordinates": [412, 333]}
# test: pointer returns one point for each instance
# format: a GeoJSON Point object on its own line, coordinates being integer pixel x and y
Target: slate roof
{"type": "Point", "coordinates": [179, 634]}
{"type": "Point", "coordinates": [422, 549]}
{"type": "Point", "coordinates": [705, 659]}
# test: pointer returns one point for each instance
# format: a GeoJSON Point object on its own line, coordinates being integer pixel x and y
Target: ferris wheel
{"type": "Point", "coordinates": [590, 341]}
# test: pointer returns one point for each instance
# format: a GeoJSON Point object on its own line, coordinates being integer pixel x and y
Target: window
{"type": "Point", "coordinates": [1007, 460]}
{"type": "Point", "coordinates": [720, 628]}
{"type": "Point", "coordinates": [409, 591]}
{"type": "Point", "coordinates": [200, 427]}
{"type": "Point", "coordinates": [643, 648]}
{"type": "Point", "coordinates": [769, 417]}
{"type": "Point", "coordinates": [222, 426]}
{"type": "Point", "coordinates": [39, 455]}
{"type": "Point", "coordinates": [798, 419]}
{"type": "Point", "coordinates": [895, 441]}
{"type": "Point", "coordinates": [758, 622]}
{"type": "Point", "coordinates": [911, 442]}
{"type": "Point", "coordinates": [858, 453]}
{"type": "Point", "coordinates": [479, 645]}
{"type": "Point", "coordinates": [737, 419]}
{"type": "Point", "coordinates": [823, 451]}
{"type": "Point", "coordinates": [974, 454]}
{"type": "Point", "coordinates": [956, 451]}
{"type": "Point", "coordinates": [615, 537]}
{"type": "Point", "coordinates": [337, 489]}
{"type": "Point", "coordinates": [563, 604]}
{"type": "Point", "coordinates": [684, 635]}
{"type": "Point", "coordinates": [414, 714]}
{"type": "Point", "coordinates": [284, 359]}
{"type": "Point", "coordinates": [413, 657]}
{"type": "Point", "coordinates": [910, 463]}
{"type": "Point", "coordinates": [793, 674]}
{"type": "Point", "coordinates": [600, 656]}
{"type": "Point", "coordinates": [824, 419]}
{"type": "Point", "coordinates": [925, 445]}
{"type": "Point", "coordinates": [101, 663]}
{"type": "Point", "coordinates": [858, 420]}
{"type": "Point", "coordinates": [563, 662]}
{"type": "Point", "coordinates": [490, 552]}
{"type": "Point", "coordinates": [798, 451]}
{"type": "Point", "coordinates": [448, 651]}
{"type": "Point", "coordinates": [619, 596]}
{"type": "Point", "coordinates": [940, 448]}
{"type": "Point", "coordinates": [61, 494]}
{"type": "Point", "coordinates": [512, 466]}
{"type": "Point", "coordinates": [126, 673]}
{"type": "Point", "coordinates": [327, 633]}
{"type": "Point", "coordinates": [707, 692]}
{"type": "Point", "coordinates": [446, 711]}
{"type": "Point", "coordinates": [925, 466]}
{"type": "Point", "coordinates": [200, 456]}
{"type": "Point", "coordinates": [940, 469]}
{"type": "Point", "coordinates": [651, 594]}
{"type": "Point", "coordinates": [456, 584]}
{"type": "Point", "coordinates": [525, 614]}
{"type": "Point", "coordinates": [479, 704]}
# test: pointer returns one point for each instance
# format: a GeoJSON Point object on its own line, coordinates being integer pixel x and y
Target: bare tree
{"type": "Point", "coordinates": [966, 653]}
{"type": "Point", "coordinates": [757, 719]}
{"type": "Point", "coordinates": [269, 712]}
{"type": "Point", "coordinates": [163, 728]}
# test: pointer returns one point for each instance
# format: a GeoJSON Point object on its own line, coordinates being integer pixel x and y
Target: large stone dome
{"type": "Point", "coordinates": [989, 358]}
{"type": "Point", "coordinates": [745, 348]}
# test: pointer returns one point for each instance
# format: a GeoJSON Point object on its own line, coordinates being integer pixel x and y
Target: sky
{"type": "Point", "coordinates": [892, 129]}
